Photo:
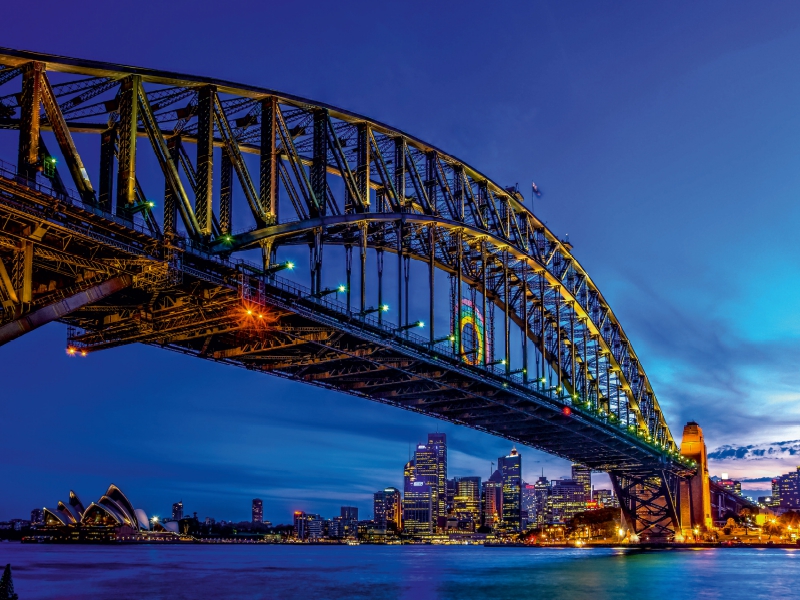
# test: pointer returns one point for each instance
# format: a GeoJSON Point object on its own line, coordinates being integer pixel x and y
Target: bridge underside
{"type": "Point", "coordinates": [214, 309]}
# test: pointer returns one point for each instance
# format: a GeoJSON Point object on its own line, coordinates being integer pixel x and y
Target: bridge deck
{"type": "Point", "coordinates": [198, 303]}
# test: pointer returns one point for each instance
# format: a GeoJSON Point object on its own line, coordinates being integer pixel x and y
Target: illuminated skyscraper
{"type": "Point", "coordinates": [566, 500]}
{"type": "Point", "coordinates": [541, 503]}
{"type": "Point", "coordinates": [349, 513]}
{"type": "Point", "coordinates": [467, 499]}
{"type": "Point", "coordinates": [510, 468]}
{"type": "Point", "coordinates": [177, 511]}
{"type": "Point", "coordinates": [388, 509]}
{"type": "Point", "coordinates": [583, 475]}
{"type": "Point", "coordinates": [258, 511]}
{"type": "Point", "coordinates": [493, 500]}
{"type": "Point", "coordinates": [420, 477]}
{"type": "Point", "coordinates": [437, 442]}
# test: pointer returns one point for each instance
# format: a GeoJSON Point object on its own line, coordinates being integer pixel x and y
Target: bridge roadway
{"type": "Point", "coordinates": [116, 273]}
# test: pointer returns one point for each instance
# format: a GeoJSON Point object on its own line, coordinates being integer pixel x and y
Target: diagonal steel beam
{"type": "Point", "coordinates": [53, 312]}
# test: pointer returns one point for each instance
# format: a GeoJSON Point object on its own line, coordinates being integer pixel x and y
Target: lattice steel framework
{"type": "Point", "coordinates": [343, 180]}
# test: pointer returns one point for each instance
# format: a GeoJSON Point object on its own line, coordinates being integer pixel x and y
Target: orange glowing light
{"type": "Point", "coordinates": [567, 411]}
{"type": "Point", "coordinates": [249, 312]}
{"type": "Point", "coordinates": [71, 350]}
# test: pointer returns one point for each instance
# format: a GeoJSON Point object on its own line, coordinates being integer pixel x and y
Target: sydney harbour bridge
{"type": "Point", "coordinates": [189, 253]}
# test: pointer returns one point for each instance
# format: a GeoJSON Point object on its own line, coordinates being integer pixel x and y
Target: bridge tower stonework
{"type": "Point", "coordinates": [695, 496]}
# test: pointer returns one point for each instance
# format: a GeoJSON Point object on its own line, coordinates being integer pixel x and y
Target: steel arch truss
{"type": "Point", "coordinates": [228, 152]}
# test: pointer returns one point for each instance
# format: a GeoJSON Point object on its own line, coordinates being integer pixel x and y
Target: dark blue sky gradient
{"type": "Point", "coordinates": [665, 138]}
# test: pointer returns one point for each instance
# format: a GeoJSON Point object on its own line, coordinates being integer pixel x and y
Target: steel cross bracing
{"type": "Point", "coordinates": [120, 268]}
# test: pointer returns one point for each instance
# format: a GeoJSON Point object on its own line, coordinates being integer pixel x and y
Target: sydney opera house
{"type": "Point", "coordinates": [111, 518]}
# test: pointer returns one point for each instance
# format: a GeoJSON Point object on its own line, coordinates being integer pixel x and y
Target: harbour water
{"type": "Point", "coordinates": [398, 572]}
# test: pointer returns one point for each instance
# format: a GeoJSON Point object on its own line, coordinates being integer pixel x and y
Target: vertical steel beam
{"type": "Point", "coordinates": [506, 315]}
{"type": "Point", "coordinates": [400, 170]}
{"type": "Point", "coordinates": [459, 291]}
{"type": "Point", "coordinates": [558, 337]}
{"type": "Point", "coordinates": [432, 279]}
{"type": "Point", "coordinates": [430, 178]}
{"type": "Point", "coordinates": [170, 201]}
{"type": "Point", "coordinates": [268, 160]}
{"type": "Point", "coordinates": [225, 193]}
{"type": "Point", "coordinates": [126, 157]}
{"type": "Point", "coordinates": [363, 257]}
{"type": "Point", "coordinates": [400, 273]}
{"type": "Point", "coordinates": [319, 164]}
{"type": "Point", "coordinates": [525, 321]}
{"type": "Point", "coordinates": [484, 276]}
{"type": "Point", "coordinates": [348, 259]}
{"type": "Point", "coordinates": [379, 260]}
{"type": "Point", "coordinates": [205, 159]}
{"type": "Point", "coordinates": [364, 161]}
{"type": "Point", "coordinates": [108, 145]}
{"type": "Point", "coordinates": [25, 291]}
{"type": "Point", "coordinates": [30, 102]}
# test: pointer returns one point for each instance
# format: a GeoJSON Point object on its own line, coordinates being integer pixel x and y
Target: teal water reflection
{"type": "Point", "coordinates": [398, 572]}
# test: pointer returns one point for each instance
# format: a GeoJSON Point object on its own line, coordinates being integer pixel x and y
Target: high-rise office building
{"type": "Point", "coordinates": [438, 443]}
{"type": "Point", "coordinates": [451, 494]}
{"type": "Point", "coordinates": [388, 509]}
{"type": "Point", "coordinates": [258, 511]}
{"type": "Point", "coordinates": [510, 468]}
{"type": "Point", "coordinates": [349, 513]}
{"type": "Point", "coordinates": [37, 516]}
{"type": "Point", "coordinates": [529, 504]}
{"type": "Point", "coordinates": [300, 529]}
{"type": "Point", "coordinates": [427, 464]}
{"type": "Point", "coordinates": [566, 500]}
{"type": "Point", "coordinates": [583, 475]}
{"type": "Point", "coordinates": [467, 499]}
{"type": "Point", "coordinates": [788, 488]}
{"type": "Point", "coordinates": [419, 487]}
{"type": "Point", "coordinates": [493, 500]}
{"type": "Point", "coordinates": [541, 505]}
{"type": "Point", "coordinates": [177, 511]}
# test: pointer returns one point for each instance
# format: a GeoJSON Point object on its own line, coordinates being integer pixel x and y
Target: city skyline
{"type": "Point", "coordinates": [638, 123]}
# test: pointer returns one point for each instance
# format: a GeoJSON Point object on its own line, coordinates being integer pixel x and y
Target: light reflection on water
{"type": "Point", "coordinates": [398, 572]}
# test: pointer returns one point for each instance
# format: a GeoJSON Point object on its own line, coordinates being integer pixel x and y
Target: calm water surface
{"type": "Point", "coordinates": [175, 572]}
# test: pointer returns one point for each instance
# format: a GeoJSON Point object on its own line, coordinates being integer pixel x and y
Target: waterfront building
{"type": "Point", "coordinates": [300, 530]}
{"type": "Point", "coordinates": [388, 509]}
{"type": "Point", "coordinates": [37, 516]}
{"type": "Point", "coordinates": [349, 513]}
{"type": "Point", "coordinates": [427, 465]}
{"type": "Point", "coordinates": [510, 468]}
{"type": "Point", "coordinates": [336, 528]}
{"type": "Point", "coordinates": [730, 485]}
{"type": "Point", "coordinates": [493, 500]}
{"type": "Point", "coordinates": [467, 499]}
{"type": "Point", "coordinates": [566, 500]}
{"type": "Point", "coordinates": [111, 517]}
{"type": "Point", "coordinates": [788, 490]}
{"type": "Point", "coordinates": [451, 485]}
{"type": "Point", "coordinates": [257, 511]}
{"type": "Point", "coordinates": [315, 526]}
{"type": "Point", "coordinates": [177, 511]}
{"type": "Point", "coordinates": [583, 475]}
{"type": "Point", "coordinates": [437, 442]}
{"type": "Point", "coordinates": [605, 498]}
{"type": "Point", "coordinates": [529, 504]}
{"type": "Point", "coordinates": [418, 490]}
{"type": "Point", "coordinates": [541, 505]}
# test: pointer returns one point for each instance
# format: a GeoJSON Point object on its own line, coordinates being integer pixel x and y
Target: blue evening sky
{"type": "Point", "coordinates": [665, 137]}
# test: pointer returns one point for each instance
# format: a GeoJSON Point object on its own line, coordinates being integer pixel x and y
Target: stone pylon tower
{"type": "Point", "coordinates": [695, 504]}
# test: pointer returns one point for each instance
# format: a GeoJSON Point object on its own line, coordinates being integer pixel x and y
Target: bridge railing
{"type": "Point", "coordinates": [67, 196]}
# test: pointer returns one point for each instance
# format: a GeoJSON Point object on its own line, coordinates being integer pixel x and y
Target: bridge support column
{"type": "Point", "coordinates": [30, 101]}
{"type": "Point", "coordinates": [695, 496]}
{"type": "Point", "coordinates": [647, 500]}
